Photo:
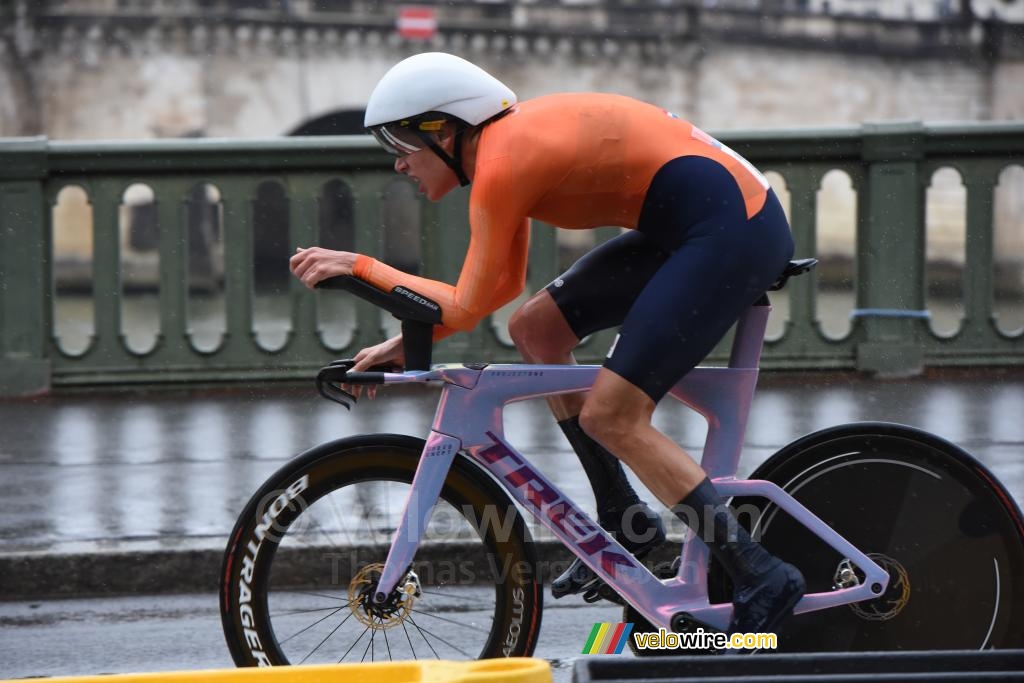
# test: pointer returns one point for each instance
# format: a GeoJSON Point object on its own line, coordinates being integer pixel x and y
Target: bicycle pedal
{"type": "Point", "coordinates": [667, 570]}
{"type": "Point", "coordinates": [684, 622]}
{"type": "Point", "coordinates": [602, 592]}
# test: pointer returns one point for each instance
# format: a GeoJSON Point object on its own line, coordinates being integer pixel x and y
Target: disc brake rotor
{"type": "Point", "coordinates": [393, 611]}
{"type": "Point", "coordinates": [896, 596]}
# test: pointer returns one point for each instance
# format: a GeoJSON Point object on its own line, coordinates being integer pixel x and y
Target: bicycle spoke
{"type": "Point", "coordinates": [317, 595]}
{"type": "Point", "coordinates": [353, 645]}
{"type": "Point", "coordinates": [312, 625]}
{"type": "Point", "coordinates": [386, 643]}
{"type": "Point", "coordinates": [367, 505]}
{"type": "Point", "coordinates": [453, 608]}
{"type": "Point", "coordinates": [411, 648]}
{"type": "Point", "coordinates": [460, 650]}
{"type": "Point", "coordinates": [418, 629]}
{"type": "Point", "coordinates": [333, 631]}
{"type": "Point", "coordinates": [336, 610]}
{"type": "Point", "coordinates": [339, 518]}
{"type": "Point", "coordinates": [450, 595]}
{"type": "Point", "coordinates": [368, 646]}
{"type": "Point", "coordinates": [331, 543]}
{"type": "Point", "coordinates": [306, 611]}
{"type": "Point", "coordinates": [450, 621]}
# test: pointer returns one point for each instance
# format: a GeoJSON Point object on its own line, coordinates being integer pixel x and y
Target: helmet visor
{"type": "Point", "coordinates": [397, 139]}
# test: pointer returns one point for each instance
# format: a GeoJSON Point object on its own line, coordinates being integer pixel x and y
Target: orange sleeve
{"type": "Point", "coordinates": [511, 282]}
{"type": "Point", "coordinates": [494, 270]}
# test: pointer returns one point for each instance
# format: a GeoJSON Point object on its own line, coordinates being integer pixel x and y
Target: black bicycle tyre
{"type": "Point", "coordinates": [389, 457]}
{"type": "Point", "coordinates": [958, 536]}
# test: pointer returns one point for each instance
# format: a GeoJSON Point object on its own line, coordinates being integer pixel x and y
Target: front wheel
{"type": "Point", "coordinates": [302, 563]}
{"type": "Point", "coordinates": [949, 535]}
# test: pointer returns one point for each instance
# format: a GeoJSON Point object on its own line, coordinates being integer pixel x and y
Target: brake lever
{"type": "Point", "coordinates": [328, 379]}
{"type": "Point", "coordinates": [333, 392]}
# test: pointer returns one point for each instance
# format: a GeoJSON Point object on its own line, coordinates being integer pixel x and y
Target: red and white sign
{"type": "Point", "coordinates": [417, 22]}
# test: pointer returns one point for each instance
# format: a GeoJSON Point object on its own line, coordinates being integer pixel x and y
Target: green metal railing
{"type": "Point", "coordinates": [889, 165]}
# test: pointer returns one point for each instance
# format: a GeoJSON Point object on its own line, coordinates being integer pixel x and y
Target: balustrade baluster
{"type": "Point", "coordinates": [105, 196]}
{"type": "Point", "coordinates": [369, 234]}
{"type": "Point", "coordinates": [304, 342]}
{"type": "Point", "coordinates": [173, 343]}
{"type": "Point", "coordinates": [978, 286]}
{"type": "Point", "coordinates": [237, 197]}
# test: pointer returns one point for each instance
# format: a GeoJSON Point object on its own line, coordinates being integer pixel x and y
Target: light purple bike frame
{"type": "Point", "coordinates": [469, 419]}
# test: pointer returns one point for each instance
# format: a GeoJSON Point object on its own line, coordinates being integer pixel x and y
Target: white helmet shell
{"type": "Point", "coordinates": [437, 81]}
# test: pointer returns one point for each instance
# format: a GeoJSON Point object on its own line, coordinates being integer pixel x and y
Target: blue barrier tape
{"type": "Point", "coordinates": [888, 313]}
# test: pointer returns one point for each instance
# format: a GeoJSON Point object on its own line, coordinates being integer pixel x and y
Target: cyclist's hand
{"type": "Point", "coordinates": [388, 353]}
{"type": "Point", "coordinates": [316, 263]}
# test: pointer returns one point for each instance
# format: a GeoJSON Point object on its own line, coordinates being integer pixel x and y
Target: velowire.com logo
{"type": "Point", "coordinates": [607, 639]}
{"type": "Point", "coordinates": [610, 639]}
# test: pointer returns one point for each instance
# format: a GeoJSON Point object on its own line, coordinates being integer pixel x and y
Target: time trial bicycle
{"type": "Point", "coordinates": [387, 546]}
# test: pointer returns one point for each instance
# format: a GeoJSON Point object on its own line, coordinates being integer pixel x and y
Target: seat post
{"type": "Point", "coordinates": [749, 338]}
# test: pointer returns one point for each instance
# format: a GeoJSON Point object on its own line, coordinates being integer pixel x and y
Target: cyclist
{"type": "Point", "coordinates": [707, 238]}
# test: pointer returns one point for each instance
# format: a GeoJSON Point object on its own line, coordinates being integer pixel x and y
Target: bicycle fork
{"type": "Point", "coordinates": [435, 462]}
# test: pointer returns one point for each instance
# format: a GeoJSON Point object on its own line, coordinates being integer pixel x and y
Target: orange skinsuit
{"type": "Point", "coordinates": [571, 160]}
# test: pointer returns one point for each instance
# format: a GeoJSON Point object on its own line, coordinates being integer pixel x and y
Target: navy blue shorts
{"type": "Point", "coordinates": [679, 281]}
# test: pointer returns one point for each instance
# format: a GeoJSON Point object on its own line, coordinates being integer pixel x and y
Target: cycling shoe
{"type": "Point", "coordinates": [579, 577]}
{"type": "Point", "coordinates": [602, 591]}
{"type": "Point", "coordinates": [760, 607]}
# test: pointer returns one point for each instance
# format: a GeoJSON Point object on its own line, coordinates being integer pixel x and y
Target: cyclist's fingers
{"type": "Point", "coordinates": [367, 358]}
{"type": "Point", "coordinates": [307, 272]}
{"type": "Point", "coordinates": [371, 391]}
{"type": "Point", "coordinates": [307, 262]}
{"type": "Point", "coordinates": [309, 277]}
{"type": "Point", "coordinates": [300, 262]}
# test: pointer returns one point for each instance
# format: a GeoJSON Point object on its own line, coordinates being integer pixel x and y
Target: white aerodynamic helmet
{"type": "Point", "coordinates": [437, 81]}
{"type": "Point", "coordinates": [404, 106]}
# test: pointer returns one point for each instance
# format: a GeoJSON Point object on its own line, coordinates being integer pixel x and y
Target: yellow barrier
{"type": "Point", "coordinates": [511, 670]}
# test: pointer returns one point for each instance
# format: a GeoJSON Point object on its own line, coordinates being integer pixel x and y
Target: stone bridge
{"type": "Point", "coordinates": [255, 68]}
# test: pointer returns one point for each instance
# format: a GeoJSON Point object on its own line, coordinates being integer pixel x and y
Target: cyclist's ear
{"type": "Point", "coordinates": [446, 133]}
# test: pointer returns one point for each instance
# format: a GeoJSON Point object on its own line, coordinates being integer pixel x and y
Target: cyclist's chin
{"type": "Point", "coordinates": [435, 185]}
{"type": "Point", "coordinates": [437, 192]}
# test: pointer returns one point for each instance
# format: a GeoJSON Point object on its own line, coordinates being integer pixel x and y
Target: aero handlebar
{"type": "Point", "coordinates": [417, 313]}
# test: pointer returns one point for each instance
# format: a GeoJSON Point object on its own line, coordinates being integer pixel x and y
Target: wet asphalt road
{"type": "Point", "coordinates": [176, 632]}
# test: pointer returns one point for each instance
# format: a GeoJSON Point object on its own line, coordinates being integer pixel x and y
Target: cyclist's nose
{"type": "Point", "coordinates": [400, 165]}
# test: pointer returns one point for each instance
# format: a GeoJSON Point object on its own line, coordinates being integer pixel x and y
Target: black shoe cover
{"type": "Point", "coordinates": [760, 607]}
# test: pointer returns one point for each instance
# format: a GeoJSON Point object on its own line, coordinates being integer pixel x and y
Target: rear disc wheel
{"type": "Point", "coordinates": [949, 535]}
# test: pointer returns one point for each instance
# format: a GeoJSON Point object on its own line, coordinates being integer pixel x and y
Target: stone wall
{"type": "Point", "coordinates": [71, 74]}
{"type": "Point", "coordinates": [756, 87]}
{"type": "Point", "coordinates": [720, 86]}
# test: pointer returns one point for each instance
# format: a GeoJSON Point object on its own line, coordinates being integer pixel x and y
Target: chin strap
{"type": "Point", "coordinates": [453, 163]}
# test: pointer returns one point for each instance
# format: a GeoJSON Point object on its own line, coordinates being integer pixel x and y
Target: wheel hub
{"type": "Point", "coordinates": [392, 611]}
{"type": "Point", "coordinates": [888, 605]}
